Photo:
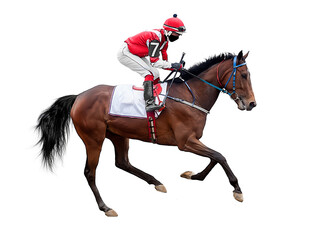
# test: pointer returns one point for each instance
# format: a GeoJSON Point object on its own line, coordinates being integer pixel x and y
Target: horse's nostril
{"type": "Point", "coordinates": [252, 104]}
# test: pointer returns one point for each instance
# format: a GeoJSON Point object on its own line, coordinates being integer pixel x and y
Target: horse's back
{"type": "Point", "coordinates": [92, 103]}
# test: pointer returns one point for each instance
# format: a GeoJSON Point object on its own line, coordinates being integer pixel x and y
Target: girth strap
{"type": "Point", "coordinates": [151, 126]}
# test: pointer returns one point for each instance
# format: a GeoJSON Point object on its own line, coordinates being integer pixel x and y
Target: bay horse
{"type": "Point", "coordinates": [178, 125]}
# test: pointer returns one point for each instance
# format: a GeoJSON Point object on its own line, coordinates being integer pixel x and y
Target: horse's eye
{"type": "Point", "coordinates": [244, 75]}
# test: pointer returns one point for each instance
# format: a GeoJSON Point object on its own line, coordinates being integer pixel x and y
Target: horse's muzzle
{"type": "Point", "coordinates": [251, 106]}
{"type": "Point", "coordinates": [245, 104]}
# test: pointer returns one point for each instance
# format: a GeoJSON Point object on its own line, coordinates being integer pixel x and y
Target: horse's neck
{"type": "Point", "coordinates": [206, 95]}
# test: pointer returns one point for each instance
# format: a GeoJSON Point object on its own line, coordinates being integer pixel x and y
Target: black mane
{"type": "Point", "coordinates": [202, 66]}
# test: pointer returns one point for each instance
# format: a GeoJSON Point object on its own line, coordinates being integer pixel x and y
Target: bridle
{"type": "Point", "coordinates": [223, 88]}
{"type": "Point", "coordinates": [233, 74]}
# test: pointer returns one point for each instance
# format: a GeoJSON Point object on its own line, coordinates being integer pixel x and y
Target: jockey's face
{"type": "Point", "coordinates": [174, 36]}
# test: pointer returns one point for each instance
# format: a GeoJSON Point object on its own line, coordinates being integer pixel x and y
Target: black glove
{"type": "Point", "coordinates": [177, 66]}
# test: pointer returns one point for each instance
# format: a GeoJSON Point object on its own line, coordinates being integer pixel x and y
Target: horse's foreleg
{"type": "Point", "coordinates": [202, 175]}
{"type": "Point", "coordinates": [195, 146]}
{"type": "Point", "coordinates": [93, 153]}
{"type": "Point", "coordinates": [121, 145]}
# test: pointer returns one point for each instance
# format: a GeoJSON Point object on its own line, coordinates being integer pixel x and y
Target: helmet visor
{"type": "Point", "coordinates": [180, 30]}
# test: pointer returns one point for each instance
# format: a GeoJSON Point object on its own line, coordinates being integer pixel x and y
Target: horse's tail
{"type": "Point", "coordinates": [53, 126]}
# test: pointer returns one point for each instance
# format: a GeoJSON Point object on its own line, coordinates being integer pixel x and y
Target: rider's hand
{"type": "Point", "coordinates": [177, 66]}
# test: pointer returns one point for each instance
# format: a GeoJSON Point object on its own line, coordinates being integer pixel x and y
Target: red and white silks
{"type": "Point", "coordinates": [135, 50]}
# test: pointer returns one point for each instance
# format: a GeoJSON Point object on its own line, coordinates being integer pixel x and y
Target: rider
{"type": "Point", "coordinates": [135, 50]}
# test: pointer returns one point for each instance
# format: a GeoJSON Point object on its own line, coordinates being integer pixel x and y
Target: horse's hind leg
{"type": "Point", "coordinates": [93, 153]}
{"type": "Point", "coordinates": [93, 138]}
{"type": "Point", "coordinates": [121, 145]}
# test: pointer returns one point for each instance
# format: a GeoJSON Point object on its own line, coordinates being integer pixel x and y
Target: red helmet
{"type": "Point", "coordinates": [174, 24]}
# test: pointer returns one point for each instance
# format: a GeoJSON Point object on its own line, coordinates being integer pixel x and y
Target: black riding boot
{"type": "Point", "coordinates": [149, 98]}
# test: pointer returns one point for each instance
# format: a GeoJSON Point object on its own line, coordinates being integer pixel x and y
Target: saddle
{"type": "Point", "coordinates": [128, 101]}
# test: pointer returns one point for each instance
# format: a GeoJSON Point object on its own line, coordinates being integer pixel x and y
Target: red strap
{"type": "Point", "coordinates": [218, 74]}
{"type": "Point", "coordinates": [157, 89]}
{"type": "Point", "coordinates": [137, 88]}
{"type": "Point", "coordinates": [156, 81]}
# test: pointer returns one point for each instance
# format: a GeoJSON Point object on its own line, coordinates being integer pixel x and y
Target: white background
{"type": "Point", "coordinates": [49, 49]}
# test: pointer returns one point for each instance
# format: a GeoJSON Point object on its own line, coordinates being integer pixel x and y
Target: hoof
{"type": "Point", "coordinates": [160, 188]}
{"type": "Point", "coordinates": [238, 196]}
{"type": "Point", "coordinates": [111, 213]}
{"type": "Point", "coordinates": [187, 174]}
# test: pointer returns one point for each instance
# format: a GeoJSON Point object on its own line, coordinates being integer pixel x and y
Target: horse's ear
{"type": "Point", "coordinates": [240, 55]}
{"type": "Point", "coordinates": [246, 55]}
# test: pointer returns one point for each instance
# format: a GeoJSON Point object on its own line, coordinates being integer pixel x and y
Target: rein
{"type": "Point", "coordinates": [163, 103]}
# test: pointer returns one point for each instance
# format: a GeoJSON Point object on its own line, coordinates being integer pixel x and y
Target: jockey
{"type": "Point", "coordinates": [141, 54]}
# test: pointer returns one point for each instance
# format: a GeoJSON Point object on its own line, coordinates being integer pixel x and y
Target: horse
{"type": "Point", "coordinates": [178, 125]}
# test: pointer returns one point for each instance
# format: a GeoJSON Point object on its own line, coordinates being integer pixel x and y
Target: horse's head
{"type": "Point", "coordinates": [238, 83]}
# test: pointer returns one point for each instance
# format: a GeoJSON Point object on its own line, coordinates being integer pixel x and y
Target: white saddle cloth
{"type": "Point", "coordinates": [128, 102]}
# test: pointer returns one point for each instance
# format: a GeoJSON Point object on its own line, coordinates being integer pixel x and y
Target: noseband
{"type": "Point", "coordinates": [233, 76]}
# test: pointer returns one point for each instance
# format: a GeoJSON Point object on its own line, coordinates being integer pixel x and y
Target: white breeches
{"type": "Point", "coordinates": [135, 63]}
